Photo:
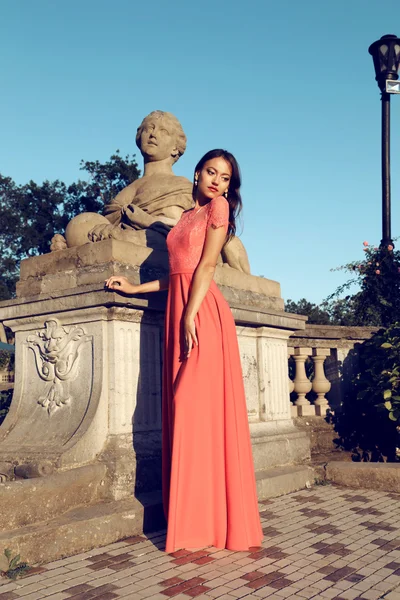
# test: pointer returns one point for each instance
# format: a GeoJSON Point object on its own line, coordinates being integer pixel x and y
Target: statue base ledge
{"type": "Point", "coordinates": [94, 262]}
{"type": "Point", "coordinates": [247, 308]}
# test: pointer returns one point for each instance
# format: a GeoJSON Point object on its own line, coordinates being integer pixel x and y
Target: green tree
{"type": "Point", "coordinates": [335, 312]}
{"type": "Point", "coordinates": [31, 214]}
{"type": "Point", "coordinates": [315, 313]}
{"type": "Point", "coordinates": [378, 276]}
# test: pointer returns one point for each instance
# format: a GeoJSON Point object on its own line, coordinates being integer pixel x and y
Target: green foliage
{"type": "Point", "coordinates": [31, 214]}
{"type": "Point", "coordinates": [334, 312]}
{"type": "Point", "coordinates": [15, 566]}
{"type": "Point", "coordinates": [6, 359]}
{"type": "Point", "coordinates": [373, 369]}
{"type": "Point", "coordinates": [314, 312]}
{"type": "Point", "coordinates": [378, 275]}
{"type": "Point", "coordinates": [377, 385]}
{"type": "Point", "coordinates": [5, 402]}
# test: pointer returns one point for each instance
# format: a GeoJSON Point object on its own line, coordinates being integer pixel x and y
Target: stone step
{"type": "Point", "coordinates": [85, 528]}
{"type": "Point", "coordinates": [384, 477]}
{"type": "Point", "coordinates": [319, 461]}
{"type": "Point", "coordinates": [29, 501]}
{"type": "Point", "coordinates": [283, 480]}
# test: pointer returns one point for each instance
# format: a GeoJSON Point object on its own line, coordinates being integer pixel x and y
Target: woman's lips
{"type": "Point", "coordinates": [213, 189]}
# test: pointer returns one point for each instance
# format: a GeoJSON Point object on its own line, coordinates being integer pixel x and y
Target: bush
{"type": "Point", "coordinates": [378, 275]}
{"type": "Point", "coordinates": [373, 396]}
{"type": "Point", "coordinates": [5, 402]}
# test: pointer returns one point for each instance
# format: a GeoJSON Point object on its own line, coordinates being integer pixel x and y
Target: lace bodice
{"type": "Point", "coordinates": [186, 240]}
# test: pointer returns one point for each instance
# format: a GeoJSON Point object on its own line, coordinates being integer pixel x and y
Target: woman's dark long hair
{"type": "Point", "coordinates": [234, 197]}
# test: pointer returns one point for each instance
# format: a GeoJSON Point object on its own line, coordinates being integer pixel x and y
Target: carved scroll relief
{"type": "Point", "coordinates": [57, 350]}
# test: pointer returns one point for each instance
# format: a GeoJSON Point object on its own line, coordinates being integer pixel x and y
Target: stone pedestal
{"type": "Point", "coordinates": [89, 367]}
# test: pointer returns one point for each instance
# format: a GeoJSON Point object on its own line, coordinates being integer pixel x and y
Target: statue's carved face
{"type": "Point", "coordinates": [158, 140]}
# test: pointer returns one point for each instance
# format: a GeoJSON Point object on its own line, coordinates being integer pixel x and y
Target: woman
{"type": "Point", "coordinates": [209, 490]}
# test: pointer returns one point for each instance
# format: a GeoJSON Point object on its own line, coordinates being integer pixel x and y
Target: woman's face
{"type": "Point", "coordinates": [214, 178]}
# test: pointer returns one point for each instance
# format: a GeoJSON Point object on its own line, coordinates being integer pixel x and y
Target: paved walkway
{"type": "Point", "coordinates": [327, 542]}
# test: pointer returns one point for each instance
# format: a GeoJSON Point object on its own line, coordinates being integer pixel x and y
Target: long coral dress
{"type": "Point", "coordinates": [209, 490]}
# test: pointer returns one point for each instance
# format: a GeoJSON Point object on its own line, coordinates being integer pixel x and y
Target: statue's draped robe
{"type": "Point", "coordinates": [155, 195]}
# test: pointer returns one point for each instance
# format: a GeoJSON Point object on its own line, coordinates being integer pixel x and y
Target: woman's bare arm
{"type": "Point", "coordinates": [215, 239]}
{"type": "Point", "coordinates": [120, 283]}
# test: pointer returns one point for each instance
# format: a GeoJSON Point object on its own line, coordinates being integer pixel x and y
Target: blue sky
{"type": "Point", "coordinates": [287, 86]}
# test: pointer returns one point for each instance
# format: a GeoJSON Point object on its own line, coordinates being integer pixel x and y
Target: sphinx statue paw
{"type": "Point", "coordinates": [101, 232]}
{"type": "Point", "coordinates": [58, 242]}
{"type": "Point", "coordinates": [234, 255]}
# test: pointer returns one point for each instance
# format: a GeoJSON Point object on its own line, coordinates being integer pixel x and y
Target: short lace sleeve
{"type": "Point", "coordinates": [219, 213]}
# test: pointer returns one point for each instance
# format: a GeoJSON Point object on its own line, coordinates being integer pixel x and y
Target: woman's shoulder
{"type": "Point", "coordinates": [219, 201]}
{"type": "Point", "coordinates": [219, 204]}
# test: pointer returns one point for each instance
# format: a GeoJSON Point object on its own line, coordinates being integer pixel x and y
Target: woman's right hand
{"type": "Point", "coordinates": [120, 284]}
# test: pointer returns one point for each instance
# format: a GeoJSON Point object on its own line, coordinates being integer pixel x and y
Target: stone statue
{"type": "Point", "coordinates": [145, 211]}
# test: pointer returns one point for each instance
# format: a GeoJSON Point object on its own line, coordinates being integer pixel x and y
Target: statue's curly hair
{"type": "Point", "coordinates": [177, 127]}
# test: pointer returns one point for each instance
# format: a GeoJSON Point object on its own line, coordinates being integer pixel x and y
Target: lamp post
{"type": "Point", "coordinates": [386, 56]}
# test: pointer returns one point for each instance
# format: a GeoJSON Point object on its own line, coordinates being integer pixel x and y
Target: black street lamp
{"type": "Point", "coordinates": [386, 55]}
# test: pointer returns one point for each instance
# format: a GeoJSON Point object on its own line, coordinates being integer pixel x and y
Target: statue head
{"type": "Point", "coordinates": [160, 136]}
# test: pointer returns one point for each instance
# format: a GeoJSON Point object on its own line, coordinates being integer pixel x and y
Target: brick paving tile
{"type": "Point", "coordinates": [190, 558]}
{"type": "Point", "coordinates": [327, 570]}
{"type": "Point", "coordinates": [355, 498]}
{"type": "Point", "coordinates": [393, 595]}
{"type": "Point", "coordinates": [171, 581]}
{"type": "Point", "coordinates": [34, 595]}
{"type": "Point", "coordinates": [183, 586]}
{"type": "Point", "coordinates": [197, 590]}
{"type": "Point", "coordinates": [339, 574]}
{"type": "Point", "coordinates": [371, 595]}
{"type": "Point", "coordinates": [241, 592]}
{"type": "Point", "coordinates": [355, 577]}
{"type": "Point", "coordinates": [8, 596]}
{"type": "Point", "coordinates": [180, 553]}
{"type": "Point", "coordinates": [253, 575]}
{"type": "Point", "coordinates": [314, 499]}
{"type": "Point", "coordinates": [203, 560]}
{"type": "Point", "coordinates": [278, 584]}
{"type": "Point", "coordinates": [107, 596]}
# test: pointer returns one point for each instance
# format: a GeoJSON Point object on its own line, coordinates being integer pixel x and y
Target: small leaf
{"type": "Point", "coordinates": [386, 345]}
{"type": "Point", "coordinates": [392, 417]}
{"type": "Point", "coordinates": [388, 405]}
{"type": "Point", "coordinates": [7, 552]}
{"type": "Point", "coordinates": [387, 394]}
{"type": "Point", "coordinates": [14, 562]}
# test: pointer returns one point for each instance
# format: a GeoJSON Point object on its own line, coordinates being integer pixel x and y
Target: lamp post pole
{"type": "Point", "coordinates": [386, 200]}
{"type": "Point", "coordinates": [386, 56]}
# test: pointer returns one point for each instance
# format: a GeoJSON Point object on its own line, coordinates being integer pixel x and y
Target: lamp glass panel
{"type": "Point", "coordinates": [383, 57]}
{"type": "Point", "coordinates": [396, 57]}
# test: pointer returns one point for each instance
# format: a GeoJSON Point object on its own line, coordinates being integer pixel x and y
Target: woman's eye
{"type": "Point", "coordinates": [210, 172]}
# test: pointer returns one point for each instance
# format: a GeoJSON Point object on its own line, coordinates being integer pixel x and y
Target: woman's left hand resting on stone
{"type": "Point", "coordinates": [119, 283]}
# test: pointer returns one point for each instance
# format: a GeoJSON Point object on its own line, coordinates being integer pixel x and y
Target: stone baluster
{"type": "Point", "coordinates": [320, 384]}
{"type": "Point", "coordinates": [302, 385]}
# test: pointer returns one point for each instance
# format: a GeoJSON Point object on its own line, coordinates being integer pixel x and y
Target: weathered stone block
{"type": "Point", "coordinates": [375, 476]}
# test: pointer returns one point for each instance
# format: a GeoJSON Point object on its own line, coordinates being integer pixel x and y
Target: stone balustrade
{"type": "Point", "coordinates": [318, 355]}
{"type": "Point", "coordinates": [322, 349]}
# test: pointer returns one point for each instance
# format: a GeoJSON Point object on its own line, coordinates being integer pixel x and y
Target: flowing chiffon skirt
{"type": "Point", "coordinates": [209, 490]}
